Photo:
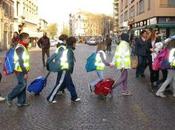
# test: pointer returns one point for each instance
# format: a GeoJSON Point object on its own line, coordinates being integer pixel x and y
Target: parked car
{"type": "Point", "coordinates": [91, 41]}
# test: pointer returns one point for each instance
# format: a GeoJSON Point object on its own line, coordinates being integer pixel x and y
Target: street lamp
{"type": "Point", "coordinates": [109, 22]}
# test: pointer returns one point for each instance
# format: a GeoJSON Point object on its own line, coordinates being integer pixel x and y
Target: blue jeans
{"type": "Point", "coordinates": [19, 91]}
{"type": "Point", "coordinates": [100, 77]}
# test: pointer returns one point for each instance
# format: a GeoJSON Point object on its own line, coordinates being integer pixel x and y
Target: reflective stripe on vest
{"type": "Point", "coordinates": [63, 59]}
{"type": "Point", "coordinates": [25, 57]}
{"type": "Point", "coordinates": [98, 61]}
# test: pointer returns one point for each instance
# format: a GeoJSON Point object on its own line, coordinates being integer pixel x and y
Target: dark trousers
{"type": "Point", "coordinates": [20, 90]}
{"type": "Point", "coordinates": [64, 79]}
{"type": "Point", "coordinates": [45, 52]}
{"type": "Point", "coordinates": [142, 63]}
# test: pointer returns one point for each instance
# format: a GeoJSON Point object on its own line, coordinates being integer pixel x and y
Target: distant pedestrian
{"type": "Point", "coordinates": [122, 61]}
{"type": "Point", "coordinates": [1, 98]}
{"type": "Point", "coordinates": [22, 67]}
{"type": "Point", "coordinates": [44, 44]}
{"type": "Point", "coordinates": [108, 44]}
{"type": "Point", "coordinates": [100, 63]}
{"type": "Point", "coordinates": [15, 39]}
{"type": "Point", "coordinates": [64, 79]}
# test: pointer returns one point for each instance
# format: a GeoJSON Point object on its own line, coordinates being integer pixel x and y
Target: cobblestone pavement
{"type": "Point", "coordinates": [142, 111]}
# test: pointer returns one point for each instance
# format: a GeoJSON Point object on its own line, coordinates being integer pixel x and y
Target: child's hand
{"type": "Point", "coordinates": [111, 65]}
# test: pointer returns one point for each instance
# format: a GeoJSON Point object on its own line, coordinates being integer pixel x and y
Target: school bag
{"type": "Point", "coordinates": [104, 87]}
{"type": "Point", "coordinates": [8, 65]}
{"type": "Point", "coordinates": [37, 85]}
{"type": "Point", "coordinates": [90, 62]}
{"type": "Point", "coordinates": [53, 62]}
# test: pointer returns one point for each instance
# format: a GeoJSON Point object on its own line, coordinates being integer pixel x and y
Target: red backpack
{"type": "Point", "coordinates": [104, 87]}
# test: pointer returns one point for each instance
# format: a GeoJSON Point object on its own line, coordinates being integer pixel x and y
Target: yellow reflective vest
{"type": "Point", "coordinates": [172, 58]}
{"type": "Point", "coordinates": [98, 61]}
{"type": "Point", "coordinates": [63, 59]}
{"type": "Point", "coordinates": [25, 57]}
{"type": "Point", "coordinates": [122, 56]}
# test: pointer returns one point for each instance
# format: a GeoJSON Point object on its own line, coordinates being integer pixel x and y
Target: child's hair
{"type": "Point", "coordinates": [100, 46]}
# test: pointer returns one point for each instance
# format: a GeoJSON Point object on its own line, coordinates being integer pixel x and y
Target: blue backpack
{"type": "Point", "coordinates": [90, 63]}
{"type": "Point", "coordinates": [37, 85]}
{"type": "Point", "coordinates": [9, 65]}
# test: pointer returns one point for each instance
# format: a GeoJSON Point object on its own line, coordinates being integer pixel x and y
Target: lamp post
{"type": "Point", "coordinates": [109, 26]}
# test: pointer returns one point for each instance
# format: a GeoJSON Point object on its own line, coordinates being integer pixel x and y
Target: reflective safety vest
{"type": "Point", "coordinates": [98, 61]}
{"type": "Point", "coordinates": [25, 57]}
{"type": "Point", "coordinates": [172, 58]}
{"type": "Point", "coordinates": [122, 56]}
{"type": "Point", "coordinates": [63, 59]}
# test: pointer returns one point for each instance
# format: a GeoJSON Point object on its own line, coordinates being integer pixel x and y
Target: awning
{"type": "Point", "coordinates": [161, 25]}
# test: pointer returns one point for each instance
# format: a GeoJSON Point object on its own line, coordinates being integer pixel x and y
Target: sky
{"type": "Point", "coordinates": [59, 10]}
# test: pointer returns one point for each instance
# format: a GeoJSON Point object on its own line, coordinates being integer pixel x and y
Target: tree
{"type": "Point", "coordinates": [52, 30]}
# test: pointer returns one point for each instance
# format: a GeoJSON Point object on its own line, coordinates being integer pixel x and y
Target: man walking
{"type": "Point", "coordinates": [44, 44]}
{"type": "Point", "coordinates": [22, 67]}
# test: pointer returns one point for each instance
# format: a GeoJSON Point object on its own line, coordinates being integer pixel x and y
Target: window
{"type": "Point", "coordinates": [167, 3]}
{"type": "Point", "coordinates": [132, 12]}
{"type": "Point", "coordinates": [141, 6]}
{"type": "Point", "coordinates": [17, 8]}
{"type": "Point", "coordinates": [126, 16]}
{"type": "Point", "coordinates": [149, 4]}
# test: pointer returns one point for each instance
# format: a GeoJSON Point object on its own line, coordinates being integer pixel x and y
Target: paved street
{"type": "Point", "coordinates": [142, 111]}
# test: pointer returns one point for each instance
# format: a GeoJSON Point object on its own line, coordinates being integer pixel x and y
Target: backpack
{"type": "Point", "coordinates": [90, 63]}
{"type": "Point", "coordinates": [53, 62]}
{"type": "Point", "coordinates": [161, 60]}
{"type": "Point", "coordinates": [8, 66]}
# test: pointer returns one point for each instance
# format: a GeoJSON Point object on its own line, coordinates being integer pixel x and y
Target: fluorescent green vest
{"type": "Point", "coordinates": [122, 56]}
{"type": "Point", "coordinates": [172, 58]}
{"type": "Point", "coordinates": [63, 59]}
{"type": "Point", "coordinates": [25, 57]}
{"type": "Point", "coordinates": [98, 61]}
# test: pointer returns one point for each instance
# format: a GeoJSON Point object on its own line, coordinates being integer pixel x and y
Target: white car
{"type": "Point", "coordinates": [53, 42]}
{"type": "Point", "coordinates": [91, 41]}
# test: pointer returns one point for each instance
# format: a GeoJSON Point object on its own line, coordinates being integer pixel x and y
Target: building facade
{"type": "Point", "coordinates": [6, 23]}
{"type": "Point", "coordinates": [89, 24]}
{"type": "Point", "coordinates": [116, 16]}
{"type": "Point", "coordinates": [26, 17]}
{"type": "Point", "coordinates": [139, 14]}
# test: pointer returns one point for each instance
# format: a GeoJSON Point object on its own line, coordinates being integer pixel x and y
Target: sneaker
{"type": "Point", "coordinates": [126, 93]}
{"type": "Point", "coordinates": [53, 102]}
{"type": "Point", "coordinates": [76, 100]}
{"type": "Point", "coordinates": [22, 105]}
{"type": "Point", "coordinates": [2, 98]}
{"type": "Point", "coordinates": [9, 103]}
{"type": "Point", "coordinates": [160, 95]}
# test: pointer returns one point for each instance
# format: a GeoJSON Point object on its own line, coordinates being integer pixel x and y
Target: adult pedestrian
{"type": "Point", "coordinates": [44, 44]}
{"type": "Point", "coordinates": [15, 39]}
{"type": "Point", "coordinates": [141, 48]}
{"type": "Point", "coordinates": [122, 61]}
{"type": "Point", "coordinates": [64, 79]}
{"type": "Point", "coordinates": [108, 43]}
{"type": "Point", "coordinates": [22, 67]}
{"type": "Point", "coordinates": [151, 54]}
